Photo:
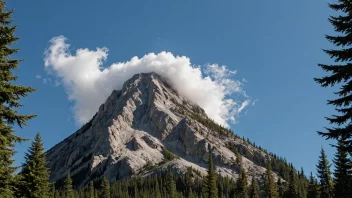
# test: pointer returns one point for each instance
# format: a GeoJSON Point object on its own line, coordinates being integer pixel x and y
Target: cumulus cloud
{"type": "Point", "coordinates": [88, 83]}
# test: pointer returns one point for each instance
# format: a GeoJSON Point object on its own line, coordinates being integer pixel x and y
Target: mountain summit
{"type": "Point", "coordinates": [146, 127]}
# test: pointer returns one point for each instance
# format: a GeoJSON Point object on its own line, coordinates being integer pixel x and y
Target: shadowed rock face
{"type": "Point", "coordinates": [136, 128]}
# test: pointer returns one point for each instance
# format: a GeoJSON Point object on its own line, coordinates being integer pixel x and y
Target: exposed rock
{"type": "Point", "coordinates": [134, 126]}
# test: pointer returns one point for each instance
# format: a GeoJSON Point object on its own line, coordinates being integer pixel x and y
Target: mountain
{"type": "Point", "coordinates": [147, 127]}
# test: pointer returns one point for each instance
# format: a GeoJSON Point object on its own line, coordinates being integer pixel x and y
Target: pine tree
{"type": "Point", "coordinates": [105, 188]}
{"type": "Point", "coordinates": [281, 187]}
{"type": "Point", "coordinates": [171, 186]}
{"type": "Point", "coordinates": [76, 195]}
{"type": "Point", "coordinates": [302, 184]}
{"type": "Point", "coordinates": [343, 172]}
{"type": "Point", "coordinates": [341, 72]}
{"type": "Point", "coordinates": [57, 194]}
{"type": "Point", "coordinates": [270, 190]}
{"type": "Point", "coordinates": [292, 186]}
{"type": "Point", "coordinates": [35, 173]}
{"type": "Point", "coordinates": [254, 189]}
{"type": "Point", "coordinates": [52, 190]}
{"type": "Point", "coordinates": [10, 94]}
{"type": "Point", "coordinates": [68, 188]}
{"type": "Point", "coordinates": [191, 194]}
{"type": "Point", "coordinates": [241, 185]}
{"type": "Point", "coordinates": [212, 189]}
{"type": "Point", "coordinates": [313, 190]}
{"type": "Point", "coordinates": [324, 175]}
{"type": "Point", "coordinates": [91, 189]}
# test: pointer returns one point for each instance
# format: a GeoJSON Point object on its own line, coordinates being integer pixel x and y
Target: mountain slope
{"type": "Point", "coordinates": [147, 127]}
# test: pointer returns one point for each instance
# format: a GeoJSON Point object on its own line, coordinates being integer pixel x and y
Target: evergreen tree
{"type": "Point", "coordinates": [105, 191]}
{"type": "Point", "coordinates": [281, 187]}
{"type": "Point", "coordinates": [171, 185]}
{"type": "Point", "coordinates": [292, 186]}
{"type": "Point", "coordinates": [157, 189]}
{"type": "Point", "coordinates": [324, 175]}
{"type": "Point", "coordinates": [191, 194]}
{"type": "Point", "coordinates": [35, 173]}
{"type": "Point", "coordinates": [52, 190]}
{"type": "Point", "coordinates": [68, 188]}
{"type": "Point", "coordinates": [96, 194]}
{"type": "Point", "coordinates": [254, 189]}
{"type": "Point", "coordinates": [10, 94]}
{"type": "Point", "coordinates": [302, 184]}
{"type": "Point", "coordinates": [313, 190]}
{"type": "Point", "coordinates": [241, 185]}
{"type": "Point", "coordinates": [342, 174]}
{"type": "Point", "coordinates": [57, 194]}
{"type": "Point", "coordinates": [91, 189]}
{"type": "Point", "coordinates": [340, 72]}
{"type": "Point", "coordinates": [270, 190]}
{"type": "Point", "coordinates": [76, 195]}
{"type": "Point", "coordinates": [212, 189]}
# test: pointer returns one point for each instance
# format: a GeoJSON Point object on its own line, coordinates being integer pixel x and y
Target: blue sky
{"type": "Point", "coordinates": [274, 45]}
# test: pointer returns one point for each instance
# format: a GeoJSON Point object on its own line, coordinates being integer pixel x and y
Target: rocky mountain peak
{"type": "Point", "coordinates": [146, 127]}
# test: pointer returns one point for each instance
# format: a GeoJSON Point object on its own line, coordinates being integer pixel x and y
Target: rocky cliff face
{"type": "Point", "coordinates": [147, 127]}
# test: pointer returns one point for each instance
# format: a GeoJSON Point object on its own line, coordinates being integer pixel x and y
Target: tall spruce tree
{"type": "Point", "coordinates": [105, 188]}
{"type": "Point", "coordinates": [292, 191]}
{"type": "Point", "coordinates": [68, 188]}
{"type": "Point", "coordinates": [324, 175]}
{"type": "Point", "coordinates": [57, 194]}
{"type": "Point", "coordinates": [254, 189]}
{"type": "Point", "coordinates": [313, 189]}
{"type": "Point", "coordinates": [270, 190]}
{"type": "Point", "coordinates": [340, 72]}
{"type": "Point", "coordinates": [241, 185]}
{"type": "Point", "coordinates": [171, 185]}
{"type": "Point", "coordinates": [10, 94]}
{"type": "Point", "coordinates": [212, 189]}
{"type": "Point", "coordinates": [35, 173]}
{"type": "Point", "coordinates": [343, 172]}
{"type": "Point", "coordinates": [280, 187]}
{"type": "Point", "coordinates": [91, 189]}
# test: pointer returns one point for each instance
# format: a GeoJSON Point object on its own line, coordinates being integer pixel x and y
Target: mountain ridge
{"type": "Point", "coordinates": [138, 126]}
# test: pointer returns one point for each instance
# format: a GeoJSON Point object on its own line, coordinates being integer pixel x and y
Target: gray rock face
{"type": "Point", "coordinates": [137, 127]}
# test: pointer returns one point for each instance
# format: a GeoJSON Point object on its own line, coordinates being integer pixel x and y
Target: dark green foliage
{"type": "Point", "coordinates": [91, 190]}
{"type": "Point", "coordinates": [270, 189]}
{"type": "Point", "coordinates": [57, 194]}
{"type": "Point", "coordinates": [168, 155]}
{"type": "Point", "coordinates": [241, 185]}
{"type": "Point", "coordinates": [343, 172]}
{"type": "Point", "coordinates": [292, 186]}
{"type": "Point", "coordinates": [212, 189]}
{"type": "Point", "coordinates": [324, 175]}
{"type": "Point", "coordinates": [35, 173]}
{"type": "Point", "coordinates": [171, 186]}
{"type": "Point", "coordinates": [10, 94]}
{"type": "Point", "coordinates": [68, 188]}
{"type": "Point", "coordinates": [280, 188]}
{"type": "Point", "coordinates": [313, 188]}
{"type": "Point", "coordinates": [302, 184]}
{"type": "Point", "coordinates": [254, 189]}
{"type": "Point", "coordinates": [52, 190]}
{"type": "Point", "coordinates": [340, 73]}
{"type": "Point", "coordinates": [105, 188]}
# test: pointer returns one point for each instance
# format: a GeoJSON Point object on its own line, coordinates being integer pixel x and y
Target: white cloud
{"type": "Point", "coordinates": [38, 76]}
{"type": "Point", "coordinates": [88, 84]}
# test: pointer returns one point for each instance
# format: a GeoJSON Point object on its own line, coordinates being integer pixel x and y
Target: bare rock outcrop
{"type": "Point", "coordinates": [136, 129]}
